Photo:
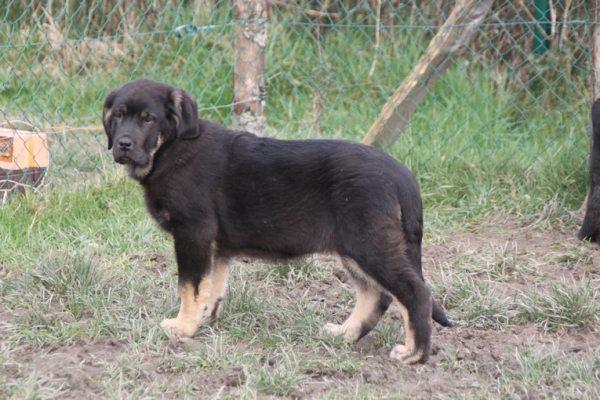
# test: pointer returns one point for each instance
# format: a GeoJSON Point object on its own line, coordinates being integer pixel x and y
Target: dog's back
{"type": "Point", "coordinates": [312, 196]}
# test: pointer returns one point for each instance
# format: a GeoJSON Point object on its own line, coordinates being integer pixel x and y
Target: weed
{"type": "Point", "coordinates": [495, 262]}
{"type": "Point", "coordinates": [294, 271]}
{"type": "Point", "coordinates": [569, 254]}
{"type": "Point", "coordinates": [573, 376]}
{"type": "Point", "coordinates": [280, 379]}
{"type": "Point", "coordinates": [562, 305]}
{"type": "Point", "coordinates": [474, 302]}
{"type": "Point", "coordinates": [388, 332]}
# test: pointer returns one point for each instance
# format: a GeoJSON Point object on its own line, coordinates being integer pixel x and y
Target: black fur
{"type": "Point", "coordinates": [590, 229]}
{"type": "Point", "coordinates": [271, 198]}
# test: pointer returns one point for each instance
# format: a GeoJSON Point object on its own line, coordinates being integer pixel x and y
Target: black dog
{"type": "Point", "coordinates": [590, 229]}
{"type": "Point", "coordinates": [224, 193]}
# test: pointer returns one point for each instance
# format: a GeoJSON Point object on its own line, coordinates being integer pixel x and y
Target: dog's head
{"type": "Point", "coordinates": [141, 116]}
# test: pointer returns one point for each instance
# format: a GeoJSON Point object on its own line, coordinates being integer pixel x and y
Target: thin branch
{"type": "Point", "coordinates": [377, 38]}
{"type": "Point", "coordinates": [315, 13]}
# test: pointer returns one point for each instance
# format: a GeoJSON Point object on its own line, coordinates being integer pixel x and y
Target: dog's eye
{"type": "Point", "coordinates": [148, 118]}
{"type": "Point", "coordinates": [119, 115]}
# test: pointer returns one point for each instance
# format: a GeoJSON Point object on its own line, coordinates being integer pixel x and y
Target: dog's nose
{"type": "Point", "coordinates": [125, 144]}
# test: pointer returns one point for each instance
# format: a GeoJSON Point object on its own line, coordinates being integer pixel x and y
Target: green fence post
{"type": "Point", "coordinates": [542, 16]}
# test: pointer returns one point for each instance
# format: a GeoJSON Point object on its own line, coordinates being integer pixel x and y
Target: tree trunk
{"type": "Point", "coordinates": [248, 80]}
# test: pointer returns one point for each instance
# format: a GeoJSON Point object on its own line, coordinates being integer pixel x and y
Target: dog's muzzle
{"type": "Point", "coordinates": [125, 144]}
{"type": "Point", "coordinates": [125, 152]}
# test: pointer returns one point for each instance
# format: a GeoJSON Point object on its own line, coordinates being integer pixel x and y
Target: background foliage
{"type": "Point", "coordinates": [501, 116]}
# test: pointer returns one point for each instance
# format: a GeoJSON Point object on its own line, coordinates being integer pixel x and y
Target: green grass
{"type": "Point", "coordinates": [563, 305]}
{"type": "Point", "coordinates": [475, 302]}
{"type": "Point", "coordinates": [96, 270]}
{"type": "Point", "coordinates": [573, 375]}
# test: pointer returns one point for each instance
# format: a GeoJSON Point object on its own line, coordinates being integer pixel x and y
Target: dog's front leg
{"type": "Point", "coordinates": [202, 285]}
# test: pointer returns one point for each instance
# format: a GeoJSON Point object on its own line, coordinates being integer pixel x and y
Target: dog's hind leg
{"type": "Point", "coordinates": [416, 315]}
{"type": "Point", "coordinates": [371, 303]}
{"type": "Point", "coordinates": [437, 312]}
{"type": "Point", "coordinates": [413, 251]}
{"type": "Point", "coordinates": [394, 273]}
{"type": "Point", "coordinates": [415, 302]}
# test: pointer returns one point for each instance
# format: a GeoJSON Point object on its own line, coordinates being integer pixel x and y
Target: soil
{"type": "Point", "coordinates": [462, 357]}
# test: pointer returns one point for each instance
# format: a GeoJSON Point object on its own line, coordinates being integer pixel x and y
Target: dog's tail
{"type": "Point", "coordinates": [590, 229]}
{"type": "Point", "coordinates": [439, 315]}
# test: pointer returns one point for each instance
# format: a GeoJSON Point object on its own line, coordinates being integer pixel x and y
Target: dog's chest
{"type": "Point", "coordinates": [160, 213]}
{"type": "Point", "coordinates": [162, 216]}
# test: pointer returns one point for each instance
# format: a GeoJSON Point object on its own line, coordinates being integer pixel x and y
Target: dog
{"type": "Point", "coordinates": [590, 229]}
{"type": "Point", "coordinates": [223, 193]}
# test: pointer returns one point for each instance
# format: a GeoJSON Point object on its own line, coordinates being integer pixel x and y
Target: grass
{"type": "Point", "coordinates": [86, 276]}
{"type": "Point", "coordinates": [574, 376]}
{"type": "Point", "coordinates": [104, 293]}
{"type": "Point", "coordinates": [114, 281]}
{"type": "Point", "coordinates": [562, 305]}
{"type": "Point", "coordinates": [475, 302]}
{"type": "Point", "coordinates": [463, 132]}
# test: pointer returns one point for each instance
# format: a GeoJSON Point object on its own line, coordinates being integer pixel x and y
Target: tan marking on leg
{"type": "Point", "coordinates": [355, 269]}
{"type": "Point", "coordinates": [194, 303]}
{"type": "Point", "coordinates": [404, 352]}
{"type": "Point", "coordinates": [367, 298]}
{"type": "Point", "coordinates": [188, 319]}
{"type": "Point", "coordinates": [366, 308]}
{"type": "Point", "coordinates": [220, 276]}
{"type": "Point", "coordinates": [410, 334]}
{"type": "Point", "coordinates": [203, 308]}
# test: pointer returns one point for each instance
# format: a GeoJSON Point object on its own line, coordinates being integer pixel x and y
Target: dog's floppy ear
{"type": "Point", "coordinates": [184, 110]}
{"type": "Point", "coordinates": [107, 116]}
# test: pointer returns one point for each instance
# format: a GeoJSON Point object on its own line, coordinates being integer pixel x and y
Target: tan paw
{"type": "Point", "coordinates": [407, 356]}
{"type": "Point", "coordinates": [178, 327]}
{"type": "Point", "coordinates": [332, 329]}
{"type": "Point", "coordinates": [350, 334]}
{"type": "Point", "coordinates": [398, 352]}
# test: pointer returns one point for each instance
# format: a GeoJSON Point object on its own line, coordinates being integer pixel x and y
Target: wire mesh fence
{"type": "Point", "coordinates": [515, 101]}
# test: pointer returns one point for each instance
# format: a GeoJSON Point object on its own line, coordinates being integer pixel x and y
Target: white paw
{"type": "Point", "coordinates": [178, 327]}
{"type": "Point", "coordinates": [398, 352]}
{"type": "Point", "coordinates": [333, 329]}
{"type": "Point", "coordinates": [350, 334]}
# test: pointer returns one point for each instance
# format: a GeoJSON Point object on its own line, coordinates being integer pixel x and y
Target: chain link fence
{"type": "Point", "coordinates": [513, 103]}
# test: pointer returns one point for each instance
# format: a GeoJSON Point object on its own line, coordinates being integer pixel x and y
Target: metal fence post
{"type": "Point", "coordinates": [540, 38]}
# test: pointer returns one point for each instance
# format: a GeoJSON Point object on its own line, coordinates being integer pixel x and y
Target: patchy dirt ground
{"type": "Point", "coordinates": [511, 360]}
